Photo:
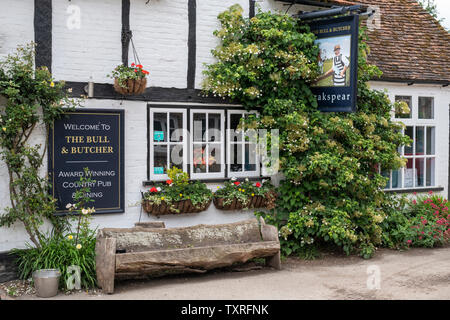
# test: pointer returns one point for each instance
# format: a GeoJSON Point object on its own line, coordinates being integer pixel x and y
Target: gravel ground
{"type": "Point", "coordinates": [412, 274]}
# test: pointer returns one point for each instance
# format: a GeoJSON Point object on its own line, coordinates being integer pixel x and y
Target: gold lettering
{"type": "Point", "coordinates": [97, 139]}
{"type": "Point", "coordinates": [74, 139]}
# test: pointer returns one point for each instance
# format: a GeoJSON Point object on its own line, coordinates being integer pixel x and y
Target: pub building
{"type": "Point", "coordinates": [126, 140]}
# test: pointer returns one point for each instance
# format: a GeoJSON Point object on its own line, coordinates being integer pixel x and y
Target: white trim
{"type": "Point", "coordinates": [162, 177]}
{"type": "Point", "coordinates": [243, 173]}
{"type": "Point", "coordinates": [207, 175]}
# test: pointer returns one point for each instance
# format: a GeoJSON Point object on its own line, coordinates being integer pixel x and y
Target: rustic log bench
{"type": "Point", "coordinates": [154, 250]}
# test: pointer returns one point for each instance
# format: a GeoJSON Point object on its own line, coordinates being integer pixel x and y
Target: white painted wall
{"type": "Point", "coordinates": [94, 49]}
{"type": "Point", "coordinates": [160, 35]}
{"type": "Point", "coordinates": [16, 24]}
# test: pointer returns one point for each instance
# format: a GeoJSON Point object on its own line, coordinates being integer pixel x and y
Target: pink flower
{"type": "Point", "coordinates": [409, 241]}
{"type": "Point", "coordinates": [430, 192]}
{"type": "Point", "coordinates": [414, 202]}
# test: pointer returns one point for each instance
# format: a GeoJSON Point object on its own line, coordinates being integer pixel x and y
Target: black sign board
{"type": "Point", "coordinates": [92, 138]}
{"type": "Point", "coordinates": [336, 87]}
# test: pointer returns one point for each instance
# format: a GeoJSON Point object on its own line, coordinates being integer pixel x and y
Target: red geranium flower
{"type": "Point", "coordinates": [169, 181]}
{"type": "Point", "coordinates": [133, 64]}
{"type": "Point", "coordinates": [153, 189]}
{"type": "Point", "coordinates": [139, 66]}
{"type": "Point", "coordinates": [237, 183]}
{"type": "Point", "coordinates": [258, 185]}
{"type": "Point", "coordinates": [145, 72]}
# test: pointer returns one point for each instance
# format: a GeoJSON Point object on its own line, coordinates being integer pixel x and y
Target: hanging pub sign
{"type": "Point", "coordinates": [92, 139]}
{"type": "Point", "coordinates": [336, 86]}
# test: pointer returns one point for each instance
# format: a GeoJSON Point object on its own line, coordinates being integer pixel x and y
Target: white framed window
{"type": "Point", "coordinates": [242, 147]}
{"type": "Point", "coordinates": [207, 146]}
{"type": "Point", "coordinates": [168, 141]}
{"type": "Point", "coordinates": [420, 126]}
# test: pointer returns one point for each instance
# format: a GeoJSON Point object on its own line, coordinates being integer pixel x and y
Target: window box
{"type": "Point", "coordinates": [177, 207]}
{"type": "Point", "coordinates": [177, 195]}
{"type": "Point", "coordinates": [237, 195]}
{"type": "Point", "coordinates": [236, 204]}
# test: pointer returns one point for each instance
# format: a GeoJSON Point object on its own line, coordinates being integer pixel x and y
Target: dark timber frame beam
{"type": "Point", "coordinates": [251, 8]}
{"type": "Point", "coordinates": [192, 43]}
{"type": "Point", "coordinates": [43, 33]}
{"type": "Point", "coordinates": [126, 32]}
{"type": "Point", "coordinates": [310, 3]}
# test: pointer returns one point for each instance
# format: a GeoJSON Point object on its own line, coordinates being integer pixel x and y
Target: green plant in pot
{"type": "Point", "coordinates": [235, 195]}
{"type": "Point", "coordinates": [177, 195]}
{"type": "Point", "coordinates": [129, 80]}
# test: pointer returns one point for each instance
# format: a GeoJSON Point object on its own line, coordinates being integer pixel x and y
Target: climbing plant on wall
{"type": "Point", "coordinates": [30, 100]}
{"type": "Point", "coordinates": [332, 162]}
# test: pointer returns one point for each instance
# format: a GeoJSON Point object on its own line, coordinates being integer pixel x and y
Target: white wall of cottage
{"type": "Point", "coordinates": [16, 18]}
{"type": "Point", "coordinates": [160, 33]}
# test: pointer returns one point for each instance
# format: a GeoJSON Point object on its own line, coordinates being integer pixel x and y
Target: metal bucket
{"type": "Point", "coordinates": [46, 282]}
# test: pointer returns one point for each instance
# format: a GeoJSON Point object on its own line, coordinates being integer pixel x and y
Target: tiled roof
{"type": "Point", "coordinates": [410, 45]}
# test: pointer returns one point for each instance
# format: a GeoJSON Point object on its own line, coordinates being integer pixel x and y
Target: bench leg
{"type": "Point", "coordinates": [106, 263]}
{"type": "Point", "coordinates": [274, 261]}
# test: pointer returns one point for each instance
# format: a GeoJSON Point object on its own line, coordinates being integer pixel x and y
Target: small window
{"type": "Point", "coordinates": [167, 141]}
{"type": "Point", "coordinates": [402, 115]}
{"type": "Point", "coordinates": [426, 108]}
{"type": "Point", "coordinates": [242, 152]}
{"type": "Point", "coordinates": [207, 144]}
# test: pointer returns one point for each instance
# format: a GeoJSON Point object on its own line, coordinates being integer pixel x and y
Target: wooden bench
{"type": "Point", "coordinates": [149, 250]}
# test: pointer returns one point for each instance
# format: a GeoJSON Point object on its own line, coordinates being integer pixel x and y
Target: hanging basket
{"type": "Point", "coordinates": [134, 86]}
{"type": "Point", "coordinates": [177, 207]}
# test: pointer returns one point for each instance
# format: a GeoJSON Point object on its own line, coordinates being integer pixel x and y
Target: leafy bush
{"type": "Point", "coordinates": [73, 248]}
{"type": "Point", "coordinates": [333, 192]}
{"type": "Point", "coordinates": [423, 221]}
{"type": "Point", "coordinates": [245, 190]}
{"type": "Point", "coordinates": [178, 188]}
{"type": "Point", "coordinates": [430, 221]}
{"type": "Point", "coordinates": [396, 225]}
{"type": "Point", "coordinates": [33, 99]}
{"type": "Point", "coordinates": [58, 252]}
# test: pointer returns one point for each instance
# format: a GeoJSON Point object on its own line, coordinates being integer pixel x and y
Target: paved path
{"type": "Point", "coordinates": [413, 274]}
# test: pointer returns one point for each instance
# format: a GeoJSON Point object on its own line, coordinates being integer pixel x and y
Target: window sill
{"type": "Point", "coordinates": [411, 190]}
{"type": "Point", "coordinates": [214, 180]}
